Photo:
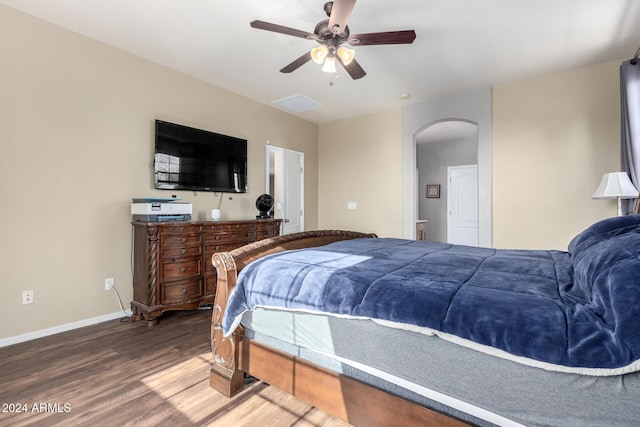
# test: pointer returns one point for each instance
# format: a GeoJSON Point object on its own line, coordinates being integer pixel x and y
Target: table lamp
{"type": "Point", "coordinates": [616, 185]}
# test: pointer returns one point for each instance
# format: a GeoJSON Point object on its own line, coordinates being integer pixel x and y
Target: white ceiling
{"type": "Point", "coordinates": [460, 44]}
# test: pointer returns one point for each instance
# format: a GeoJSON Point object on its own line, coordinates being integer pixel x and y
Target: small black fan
{"type": "Point", "coordinates": [264, 203]}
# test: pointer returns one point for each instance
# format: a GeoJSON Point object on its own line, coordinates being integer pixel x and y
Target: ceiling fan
{"type": "Point", "coordinates": [332, 34]}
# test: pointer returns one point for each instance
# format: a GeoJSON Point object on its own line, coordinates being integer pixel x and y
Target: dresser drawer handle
{"type": "Point", "coordinates": [184, 291]}
{"type": "Point", "coordinates": [217, 237]}
{"type": "Point", "coordinates": [183, 269]}
{"type": "Point", "coordinates": [217, 248]}
{"type": "Point", "coordinates": [184, 239]}
{"type": "Point", "coordinates": [184, 251]}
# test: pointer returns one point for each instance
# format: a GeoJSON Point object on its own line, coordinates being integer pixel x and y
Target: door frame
{"type": "Point", "coordinates": [280, 151]}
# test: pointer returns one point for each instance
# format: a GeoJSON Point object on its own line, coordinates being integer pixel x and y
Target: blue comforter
{"type": "Point", "coordinates": [574, 311]}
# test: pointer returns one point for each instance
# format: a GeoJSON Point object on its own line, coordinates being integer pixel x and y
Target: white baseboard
{"type": "Point", "coordinates": [62, 328]}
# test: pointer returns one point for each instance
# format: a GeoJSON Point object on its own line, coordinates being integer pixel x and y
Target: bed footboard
{"type": "Point", "coordinates": [226, 374]}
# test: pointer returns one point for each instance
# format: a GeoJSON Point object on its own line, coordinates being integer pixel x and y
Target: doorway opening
{"type": "Point", "coordinates": [439, 147]}
{"type": "Point", "coordinates": [285, 183]}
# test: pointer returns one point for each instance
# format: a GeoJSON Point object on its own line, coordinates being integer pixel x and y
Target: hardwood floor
{"type": "Point", "coordinates": [120, 373]}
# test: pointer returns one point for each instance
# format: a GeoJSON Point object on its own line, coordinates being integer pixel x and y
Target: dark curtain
{"type": "Point", "coordinates": [630, 122]}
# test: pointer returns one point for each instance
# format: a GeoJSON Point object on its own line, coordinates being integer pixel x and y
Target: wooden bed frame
{"type": "Point", "coordinates": [351, 400]}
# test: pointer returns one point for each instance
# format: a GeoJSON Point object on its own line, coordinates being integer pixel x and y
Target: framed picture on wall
{"type": "Point", "coordinates": [433, 191]}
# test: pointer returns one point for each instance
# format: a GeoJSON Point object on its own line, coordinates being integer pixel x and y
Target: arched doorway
{"type": "Point", "coordinates": [473, 106]}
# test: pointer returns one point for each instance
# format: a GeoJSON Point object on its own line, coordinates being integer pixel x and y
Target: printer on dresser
{"type": "Point", "coordinates": [172, 261]}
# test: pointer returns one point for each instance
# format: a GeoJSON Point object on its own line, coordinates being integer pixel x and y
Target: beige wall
{"type": "Point", "coordinates": [76, 144]}
{"type": "Point", "coordinates": [361, 161]}
{"type": "Point", "coordinates": [553, 139]}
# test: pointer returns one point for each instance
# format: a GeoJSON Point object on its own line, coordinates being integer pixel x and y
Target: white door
{"type": "Point", "coordinates": [285, 182]}
{"type": "Point", "coordinates": [462, 205]}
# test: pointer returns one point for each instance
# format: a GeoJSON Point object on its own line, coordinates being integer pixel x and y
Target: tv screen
{"type": "Point", "coordinates": [194, 159]}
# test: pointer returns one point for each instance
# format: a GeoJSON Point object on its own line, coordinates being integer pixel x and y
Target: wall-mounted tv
{"type": "Point", "coordinates": [198, 160]}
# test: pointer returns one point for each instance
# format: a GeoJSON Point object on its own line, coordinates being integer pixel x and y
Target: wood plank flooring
{"type": "Point", "coordinates": [120, 373]}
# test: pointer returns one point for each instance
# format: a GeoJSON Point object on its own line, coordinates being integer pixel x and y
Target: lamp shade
{"type": "Point", "coordinates": [615, 185]}
{"type": "Point", "coordinates": [329, 65]}
{"type": "Point", "coordinates": [318, 54]}
{"type": "Point", "coordinates": [346, 55]}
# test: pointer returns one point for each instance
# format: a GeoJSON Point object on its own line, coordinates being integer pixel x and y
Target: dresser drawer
{"type": "Point", "coordinates": [226, 226]}
{"type": "Point", "coordinates": [231, 236]}
{"type": "Point", "coordinates": [180, 229]}
{"type": "Point", "coordinates": [181, 291]}
{"type": "Point", "coordinates": [175, 252]}
{"type": "Point", "coordinates": [181, 269]}
{"type": "Point", "coordinates": [267, 228]}
{"type": "Point", "coordinates": [212, 248]}
{"type": "Point", "coordinates": [181, 240]}
{"type": "Point", "coordinates": [266, 224]}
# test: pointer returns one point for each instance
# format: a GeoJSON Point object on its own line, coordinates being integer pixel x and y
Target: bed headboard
{"type": "Point", "coordinates": [306, 239]}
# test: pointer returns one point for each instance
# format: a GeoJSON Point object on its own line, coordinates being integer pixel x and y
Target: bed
{"type": "Point", "coordinates": [390, 331]}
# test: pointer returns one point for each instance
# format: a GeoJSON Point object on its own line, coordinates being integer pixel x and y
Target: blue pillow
{"type": "Point", "coordinates": [604, 254]}
{"type": "Point", "coordinates": [604, 229]}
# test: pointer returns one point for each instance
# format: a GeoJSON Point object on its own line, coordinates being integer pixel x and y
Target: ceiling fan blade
{"type": "Point", "coordinates": [354, 69]}
{"type": "Point", "coordinates": [297, 63]}
{"type": "Point", "coordinates": [340, 13]}
{"type": "Point", "coordinates": [261, 25]}
{"type": "Point", "coordinates": [389, 37]}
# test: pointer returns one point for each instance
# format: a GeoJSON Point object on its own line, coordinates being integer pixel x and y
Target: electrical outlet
{"type": "Point", "coordinates": [27, 297]}
{"type": "Point", "coordinates": [108, 284]}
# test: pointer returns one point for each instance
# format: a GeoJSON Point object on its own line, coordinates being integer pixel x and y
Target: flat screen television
{"type": "Point", "coordinates": [198, 160]}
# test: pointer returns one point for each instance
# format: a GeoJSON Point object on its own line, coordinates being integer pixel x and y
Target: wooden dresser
{"type": "Point", "coordinates": [172, 267]}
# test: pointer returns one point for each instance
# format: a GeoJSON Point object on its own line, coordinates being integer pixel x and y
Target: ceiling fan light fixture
{"type": "Point", "coordinates": [331, 34]}
{"type": "Point", "coordinates": [346, 55]}
{"type": "Point", "coordinates": [318, 54]}
{"type": "Point", "coordinates": [329, 65]}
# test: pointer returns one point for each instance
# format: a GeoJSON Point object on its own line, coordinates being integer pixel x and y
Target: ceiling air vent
{"type": "Point", "coordinates": [296, 103]}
